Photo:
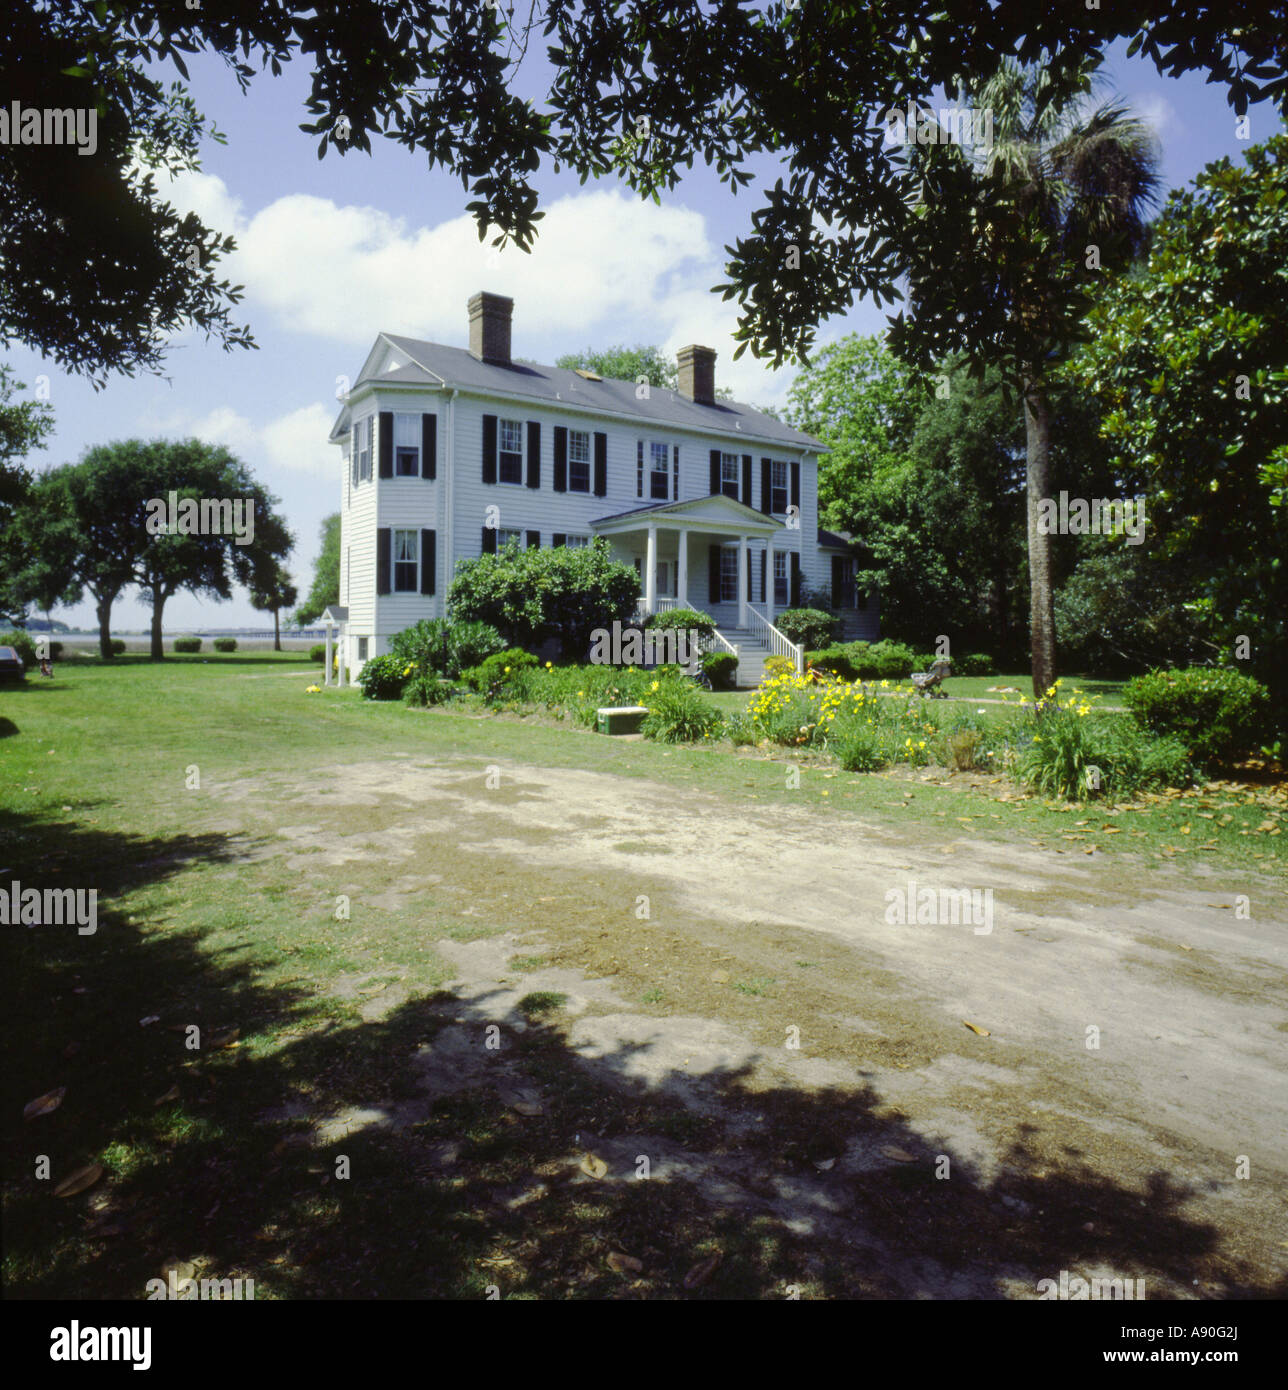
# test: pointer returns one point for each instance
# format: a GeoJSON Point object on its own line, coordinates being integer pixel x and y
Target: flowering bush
{"type": "Point", "coordinates": [499, 675]}
{"type": "Point", "coordinates": [383, 677]}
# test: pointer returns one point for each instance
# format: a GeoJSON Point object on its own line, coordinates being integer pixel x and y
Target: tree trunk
{"type": "Point", "coordinates": [277, 631]}
{"type": "Point", "coordinates": [104, 611]}
{"type": "Point", "coordinates": [1037, 431]}
{"type": "Point", "coordinates": [158, 607]}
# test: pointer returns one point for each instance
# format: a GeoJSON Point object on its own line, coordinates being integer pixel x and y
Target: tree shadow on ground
{"type": "Point", "coordinates": [454, 1148]}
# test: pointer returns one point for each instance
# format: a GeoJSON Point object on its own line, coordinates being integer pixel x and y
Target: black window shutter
{"type": "Point", "coordinates": [796, 485]}
{"type": "Point", "coordinates": [534, 540]}
{"type": "Point", "coordinates": [796, 579]}
{"type": "Point", "coordinates": [713, 574]}
{"type": "Point", "coordinates": [764, 564]}
{"type": "Point", "coordinates": [766, 486]}
{"type": "Point", "coordinates": [746, 480]}
{"type": "Point", "coordinates": [601, 464]}
{"type": "Point", "coordinates": [489, 540]}
{"type": "Point", "coordinates": [561, 458]}
{"type": "Point", "coordinates": [751, 591]}
{"type": "Point", "coordinates": [428, 559]}
{"type": "Point", "coordinates": [386, 444]}
{"type": "Point", "coordinates": [429, 448]}
{"type": "Point", "coordinates": [534, 454]}
{"type": "Point", "coordinates": [715, 471]}
{"type": "Point", "coordinates": [558, 539]}
{"type": "Point", "coordinates": [384, 550]}
{"type": "Point", "coordinates": [489, 455]}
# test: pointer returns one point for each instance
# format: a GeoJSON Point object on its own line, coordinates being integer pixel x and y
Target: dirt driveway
{"type": "Point", "coordinates": [1117, 1109]}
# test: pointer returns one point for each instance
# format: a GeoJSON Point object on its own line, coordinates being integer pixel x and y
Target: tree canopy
{"type": "Point", "coordinates": [325, 589]}
{"type": "Point", "coordinates": [95, 270]}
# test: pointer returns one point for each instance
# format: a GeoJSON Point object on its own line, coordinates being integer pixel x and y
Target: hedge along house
{"type": "Point", "coordinates": [451, 453]}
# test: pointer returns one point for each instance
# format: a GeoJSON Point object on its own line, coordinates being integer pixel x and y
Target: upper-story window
{"type": "Point", "coordinates": [778, 488]}
{"type": "Point", "coordinates": [578, 460]}
{"type": "Point", "coordinates": [659, 472]}
{"type": "Point", "coordinates": [729, 475]}
{"type": "Point", "coordinates": [406, 446]}
{"type": "Point", "coordinates": [362, 450]}
{"type": "Point", "coordinates": [510, 452]}
{"type": "Point", "coordinates": [406, 561]}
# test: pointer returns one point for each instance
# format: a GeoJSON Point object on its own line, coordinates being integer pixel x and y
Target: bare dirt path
{"type": "Point", "coordinates": [1118, 1109]}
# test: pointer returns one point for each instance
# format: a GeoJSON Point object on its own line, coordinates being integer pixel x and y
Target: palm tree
{"type": "Point", "coordinates": [1010, 235]}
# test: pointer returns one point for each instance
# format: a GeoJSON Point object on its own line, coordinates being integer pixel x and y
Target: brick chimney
{"type": "Point", "coordinates": [697, 374]}
{"type": "Point", "coordinates": [490, 316]}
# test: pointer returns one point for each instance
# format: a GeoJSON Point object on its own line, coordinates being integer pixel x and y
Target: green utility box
{"type": "Point", "coordinates": [625, 719]}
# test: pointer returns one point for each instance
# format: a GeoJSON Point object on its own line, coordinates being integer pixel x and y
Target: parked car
{"type": "Point", "coordinates": [11, 667]}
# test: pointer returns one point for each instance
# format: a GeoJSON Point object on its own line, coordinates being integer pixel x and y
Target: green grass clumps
{"type": "Point", "coordinates": [541, 1002]}
{"type": "Point", "coordinates": [677, 713]}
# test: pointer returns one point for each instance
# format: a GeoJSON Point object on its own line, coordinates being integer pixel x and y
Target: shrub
{"type": "Point", "coordinates": [317, 652]}
{"type": "Point", "coordinates": [677, 713]}
{"type": "Point", "coordinates": [740, 731]}
{"type": "Point", "coordinates": [974, 664]}
{"type": "Point", "coordinates": [682, 618]}
{"type": "Point", "coordinates": [836, 660]}
{"type": "Point", "coordinates": [884, 660]}
{"type": "Point", "coordinates": [445, 645]}
{"type": "Point", "coordinates": [118, 646]}
{"type": "Point", "coordinates": [383, 677]}
{"type": "Point", "coordinates": [225, 644]}
{"type": "Point", "coordinates": [533, 595]}
{"type": "Point", "coordinates": [23, 643]}
{"type": "Point", "coordinates": [427, 688]}
{"type": "Point", "coordinates": [720, 668]}
{"type": "Point", "coordinates": [1217, 715]}
{"type": "Point", "coordinates": [187, 644]}
{"type": "Point", "coordinates": [500, 673]}
{"type": "Point", "coordinates": [807, 627]}
{"type": "Point", "coordinates": [55, 651]}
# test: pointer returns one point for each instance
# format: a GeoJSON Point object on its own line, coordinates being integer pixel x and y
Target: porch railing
{"type": "Point", "coordinates": [779, 643]}
{"type": "Point", "coordinates": [660, 605]}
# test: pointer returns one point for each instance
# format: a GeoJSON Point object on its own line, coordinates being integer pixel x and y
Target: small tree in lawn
{"type": "Point", "coordinates": [325, 589]}
{"type": "Point", "coordinates": [271, 596]}
{"type": "Point", "coordinates": [533, 595]}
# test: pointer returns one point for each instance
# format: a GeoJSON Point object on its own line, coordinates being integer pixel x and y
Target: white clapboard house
{"type": "Point", "coordinates": [450, 453]}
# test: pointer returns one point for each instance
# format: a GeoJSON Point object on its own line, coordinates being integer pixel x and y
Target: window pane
{"type": "Point", "coordinates": [578, 446]}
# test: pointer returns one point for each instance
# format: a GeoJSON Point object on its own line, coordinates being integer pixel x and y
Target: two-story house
{"type": "Point", "coordinates": [450, 454]}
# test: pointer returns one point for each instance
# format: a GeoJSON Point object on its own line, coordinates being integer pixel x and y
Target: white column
{"type": "Point", "coordinates": [769, 577]}
{"type": "Point", "coordinates": [650, 570]}
{"type": "Point", "coordinates": [343, 674]}
{"type": "Point", "coordinates": [327, 679]}
{"type": "Point", "coordinates": [682, 571]}
{"type": "Point", "coordinates": [743, 597]}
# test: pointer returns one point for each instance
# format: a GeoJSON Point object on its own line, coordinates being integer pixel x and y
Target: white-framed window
{"type": "Point", "coordinates": [576, 542]}
{"type": "Point", "coordinates": [362, 648]}
{"type": "Point", "coordinates": [362, 446]}
{"type": "Point", "coordinates": [406, 561]}
{"type": "Point", "coordinates": [578, 460]}
{"type": "Point", "coordinates": [639, 468]}
{"type": "Point", "coordinates": [729, 574]}
{"type": "Point", "coordinates": [778, 488]}
{"type": "Point", "coordinates": [675, 472]}
{"type": "Point", "coordinates": [780, 579]}
{"type": "Point", "coordinates": [659, 472]}
{"type": "Point", "coordinates": [729, 471]}
{"type": "Point", "coordinates": [504, 535]}
{"type": "Point", "coordinates": [666, 577]}
{"type": "Point", "coordinates": [510, 451]}
{"type": "Point", "coordinates": [406, 446]}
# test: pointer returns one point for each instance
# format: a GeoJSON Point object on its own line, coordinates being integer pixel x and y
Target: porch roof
{"type": "Point", "coordinates": [714, 513]}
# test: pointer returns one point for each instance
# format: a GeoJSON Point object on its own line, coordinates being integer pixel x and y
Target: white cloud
{"type": "Point", "coordinates": [296, 442]}
{"type": "Point", "coordinates": [605, 268]}
{"type": "Point", "coordinates": [1158, 113]}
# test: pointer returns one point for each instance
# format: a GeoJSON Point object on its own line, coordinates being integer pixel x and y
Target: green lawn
{"type": "Point", "coordinates": [201, 921]}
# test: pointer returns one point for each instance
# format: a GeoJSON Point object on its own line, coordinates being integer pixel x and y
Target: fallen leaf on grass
{"type": "Point", "coordinates": [899, 1155]}
{"type": "Point", "coordinates": [44, 1105]}
{"type": "Point", "coordinates": [975, 1028]}
{"type": "Point", "coordinates": [79, 1180]}
{"type": "Point", "coordinates": [593, 1166]}
{"type": "Point", "coordinates": [226, 1038]}
{"type": "Point", "coordinates": [703, 1271]}
{"type": "Point", "coordinates": [624, 1264]}
{"type": "Point", "coordinates": [171, 1094]}
{"type": "Point", "coordinates": [149, 1021]}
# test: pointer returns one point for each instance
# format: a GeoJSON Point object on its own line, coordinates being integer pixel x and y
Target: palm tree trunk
{"type": "Point", "coordinates": [277, 630]}
{"type": "Point", "coordinates": [1037, 432]}
{"type": "Point", "coordinates": [158, 607]}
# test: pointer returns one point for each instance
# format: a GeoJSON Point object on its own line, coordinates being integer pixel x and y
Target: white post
{"type": "Point", "coordinates": [682, 572]}
{"type": "Point", "coordinates": [769, 577]}
{"type": "Point", "coordinates": [743, 553]}
{"type": "Point", "coordinates": [327, 678]}
{"type": "Point", "coordinates": [650, 570]}
{"type": "Point", "coordinates": [342, 652]}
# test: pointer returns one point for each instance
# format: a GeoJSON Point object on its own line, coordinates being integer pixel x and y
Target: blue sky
{"type": "Point", "coordinates": [333, 251]}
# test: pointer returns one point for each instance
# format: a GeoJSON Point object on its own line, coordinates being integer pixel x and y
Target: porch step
{"type": "Point", "coordinates": [752, 655]}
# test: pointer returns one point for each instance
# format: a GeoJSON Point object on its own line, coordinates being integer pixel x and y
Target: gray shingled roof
{"type": "Point", "coordinates": [456, 367]}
